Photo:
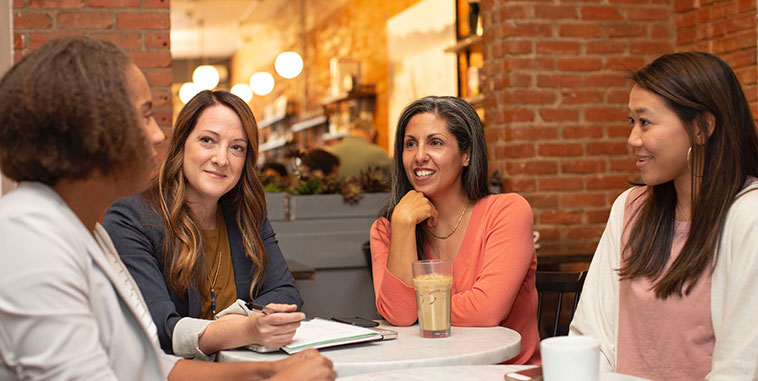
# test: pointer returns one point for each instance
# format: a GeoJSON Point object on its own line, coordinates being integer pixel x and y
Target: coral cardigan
{"type": "Point", "coordinates": [493, 273]}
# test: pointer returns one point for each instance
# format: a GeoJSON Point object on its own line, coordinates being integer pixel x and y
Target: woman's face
{"type": "Point", "coordinates": [658, 138]}
{"type": "Point", "coordinates": [214, 154]}
{"type": "Point", "coordinates": [139, 93]}
{"type": "Point", "coordinates": [432, 159]}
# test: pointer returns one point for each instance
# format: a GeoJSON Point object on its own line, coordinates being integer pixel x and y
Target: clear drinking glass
{"type": "Point", "coordinates": [433, 281]}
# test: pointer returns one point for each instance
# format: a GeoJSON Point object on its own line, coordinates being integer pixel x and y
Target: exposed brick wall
{"type": "Point", "coordinates": [556, 104]}
{"type": "Point", "coordinates": [141, 27]}
{"type": "Point", "coordinates": [354, 29]}
{"type": "Point", "coordinates": [726, 28]}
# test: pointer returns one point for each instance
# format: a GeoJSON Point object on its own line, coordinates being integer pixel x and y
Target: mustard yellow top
{"type": "Point", "coordinates": [225, 288]}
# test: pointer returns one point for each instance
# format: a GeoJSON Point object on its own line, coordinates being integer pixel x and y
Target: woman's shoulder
{"type": "Point", "coordinates": [136, 209]}
{"type": "Point", "coordinates": [511, 202]}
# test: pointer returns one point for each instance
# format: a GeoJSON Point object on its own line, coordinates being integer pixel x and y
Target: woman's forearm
{"type": "Point", "coordinates": [225, 334]}
{"type": "Point", "coordinates": [201, 370]}
{"type": "Point", "coordinates": [402, 251]}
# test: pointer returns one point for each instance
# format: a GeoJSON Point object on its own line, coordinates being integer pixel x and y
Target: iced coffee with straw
{"type": "Point", "coordinates": [433, 282]}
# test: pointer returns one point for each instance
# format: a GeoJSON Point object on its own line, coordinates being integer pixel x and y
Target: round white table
{"type": "Point", "coordinates": [465, 346]}
{"type": "Point", "coordinates": [461, 372]}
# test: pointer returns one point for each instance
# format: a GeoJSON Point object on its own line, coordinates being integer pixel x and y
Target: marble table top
{"type": "Point", "coordinates": [461, 372]}
{"type": "Point", "coordinates": [465, 346]}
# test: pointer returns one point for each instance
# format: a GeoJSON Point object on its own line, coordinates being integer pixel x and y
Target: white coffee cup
{"type": "Point", "coordinates": [570, 358]}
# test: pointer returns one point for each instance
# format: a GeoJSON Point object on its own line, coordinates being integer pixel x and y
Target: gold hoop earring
{"type": "Point", "coordinates": [689, 156]}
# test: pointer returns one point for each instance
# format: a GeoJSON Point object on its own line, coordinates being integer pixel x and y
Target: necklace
{"type": "Point", "coordinates": [454, 227]}
{"type": "Point", "coordinates": [218, 267]}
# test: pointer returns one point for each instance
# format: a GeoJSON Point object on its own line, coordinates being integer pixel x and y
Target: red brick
{"type": "Point", "coordinates": [37, 39]}
{"type": "Point", "coordinates": [626, 64]}
{"type": "Point", "coordinates": [161, 97]}
{"type": "Point", "coordinates": [625, 30]}
{"type": "Point", "coordinates": [517, 47]}
{"type": "Point", "coordinates": [127, 41]}
{"type": "Point", "coordinates": [17, 56]}
{"type": "Point", "coordinates": [157, 4]}
{"type": "Point", "coordinates": [143, 21]}
{"type": "Point", "coordinates": [629, 1]}
{"type": "Point", "coordinates": [559, 115]}
{"type": "Point", "coordinates": [87, 20]}
{"type": "Point", "coordinates": [608, 182]}
{"type": "Point", "coordinates": [648, 14]}
{"type": "Point", "coordinates": [164, 117]}
{"type": "Point", "coordinates": [56, 4]}
{"type": "Point", "coordinates": [583, 233]}
{"type": "Point", "coordinates": [529, 63]}
{"type": "Point", "coordinates": [157, 40]}
{"type": "Point", "coordinates": [533, 167]}
{"type": "Point", "coordinates": [581, 97]}
{"type": "Point", "coordinates": [660, 32]}
{"type": "Point", "coordinates": [574, 200]}
{"type": "Point", "coordinates": [604, 80]}
{"type": "Point", "coordinates": [530, 133]}
{"type": "Point", "coordinates": [650, 47]}
{"type": "Point", "coordinates": [605, 47]}
{"type": "Point", "coordinates": [520, 184]}
{"type": "Point", "coordinates": [560, 217]}
{"type": "Point", "coordinates": [516, 12]}
{"type": "Point", "coordinates": [560, 183]}
{"type": "Point", "coordinates": [684, 5]}
{"type": "Point", "coordinates": [19, 41]}
{"type": "Point", "coordinates": [604, 114]}
{"type": "Point", "coordinates": [513, 151]}
{"type": "Point", "coordinates": [580, 30]}
{"type": "Point", "coordinates": [600, 13]}
{"type": "Point", "coordinates": [598, 216]}
{"type": "Point", "coordinates": [560, 149]}
{"type": "Point", "coordinates": [31, 21]}
{"type": "Point", "coordinates": [526, 97]}
{"type": "Point", "coordinates": [542, 201]}
{"type": "Point", "coordinates": [558, 47]}
{"type": "Point", "coordinates": [618, 96]}
{"type": "Point", "coordinates": [557, 80]}
{"type": "Point", "coordinates": [622, 165]}
{"type": "Point", "coordinates": [151, 59]}
{"type": "Point", "coordinates": [618, 131]}
{"type": "Point", "coordinates": [746, 5]}
{"type": "Point", "coordinates": [582, 132]}
{"type": "Point", "coordinates": [740, 22]}
{"type": "Point", "coordinates": [684, 20]}
{"type": "Point", "coordinates": [160, 78]}
{"type": "Point", "coordinates": [583, 166]}
{"type": "Point", "coordinates": [527, 30]}
{"type": "Point", "coordinates": [518, 115]}
{"type": "Point", "coordinates": [555, 12]}
{"type": "Point", "coordinates": [607, 148]}
{"type": "Point", "coordinates": [113, 3]}
{"type": "Point", "coordinates": [579, 64]}
{"type": "Point", "coordinates": [18, 4]}
{"type": "Point", "coordinates": [703, 15]}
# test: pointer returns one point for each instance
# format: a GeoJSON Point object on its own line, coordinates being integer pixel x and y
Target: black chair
{"type": "Point", "coordinates": [366, 248]}
{"type": "Point", "coordinates": [560, 283]}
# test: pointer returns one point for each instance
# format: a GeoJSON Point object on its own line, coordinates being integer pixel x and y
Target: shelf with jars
{"type": "Point", "coordinates": [344, 109]}
{"type": "Point", "coordinates": [468, 51]}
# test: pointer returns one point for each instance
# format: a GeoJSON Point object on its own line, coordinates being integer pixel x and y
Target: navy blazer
{"type": "Point", "coordinates": [137, 233]}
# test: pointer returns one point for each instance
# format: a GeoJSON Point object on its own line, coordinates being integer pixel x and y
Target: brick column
{"type": "Point", "coordinates": [141, 27]}
{"type": "Point", "coordinates": [556, 109]}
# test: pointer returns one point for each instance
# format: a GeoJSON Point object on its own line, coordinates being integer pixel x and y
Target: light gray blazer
{"type": "Point", "coordinates": [68, 307]}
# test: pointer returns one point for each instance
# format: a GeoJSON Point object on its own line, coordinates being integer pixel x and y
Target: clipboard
{"type": "Point", "coordinates": [322, 333]}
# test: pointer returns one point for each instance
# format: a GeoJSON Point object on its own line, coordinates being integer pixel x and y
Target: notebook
{"type": "Point", "coordinates": [321, 333]}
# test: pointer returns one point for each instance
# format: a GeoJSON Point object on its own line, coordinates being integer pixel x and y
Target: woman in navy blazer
{"type": "Point", "coordinates": [198, 242]}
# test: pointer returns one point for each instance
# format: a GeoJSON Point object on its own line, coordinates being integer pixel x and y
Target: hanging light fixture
{"type": "Point", "coordinates": [243, 91]}
{"type": "Point", "coordinates": [206, 77]}
{"type": "Point", "coordinates": [288, 64]}
{"type": "Point", "coordinates": [188, 91]}
{"type": "Point", "coordinates": [262, 83]}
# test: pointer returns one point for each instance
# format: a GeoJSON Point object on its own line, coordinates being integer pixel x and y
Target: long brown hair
{"type": "Point", "coordinates": [697, 86]}
{"type": "Point", "coordinates": [183, 262]}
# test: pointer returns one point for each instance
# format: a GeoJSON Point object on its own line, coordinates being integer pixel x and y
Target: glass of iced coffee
{"type": "Point", "coordinates": [433, 281]}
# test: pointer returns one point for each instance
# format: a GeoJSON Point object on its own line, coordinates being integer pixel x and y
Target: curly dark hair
{"type": "Point", "coordinates": [65, 112]}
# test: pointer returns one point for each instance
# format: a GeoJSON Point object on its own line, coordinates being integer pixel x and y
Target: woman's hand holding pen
{"type": "Point", "coordinates": [275, 325]}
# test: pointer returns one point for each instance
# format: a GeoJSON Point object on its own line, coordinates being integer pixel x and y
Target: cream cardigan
{"type": "Point", "coordinates": [734, 291]}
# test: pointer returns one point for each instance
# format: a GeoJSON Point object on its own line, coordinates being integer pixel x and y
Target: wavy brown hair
{"type": "Point", "coordinates": [696, 86]}
{"type": "Point", "coordinates": [64, 113]}
{"type": "Point", "coordinates": [183, 262]}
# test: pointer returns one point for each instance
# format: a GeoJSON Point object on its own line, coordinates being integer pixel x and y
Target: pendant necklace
{"type": "Point", "coordinates": [454, 227]}
{"type": "Point", "coordinates": [218, 267]}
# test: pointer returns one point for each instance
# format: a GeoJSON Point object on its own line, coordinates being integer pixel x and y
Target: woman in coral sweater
{"type": "Point", "coordinates": [441, 207]}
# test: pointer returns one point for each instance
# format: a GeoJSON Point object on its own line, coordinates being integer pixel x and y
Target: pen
{"type": "Point", "coordinates": [258, 307]}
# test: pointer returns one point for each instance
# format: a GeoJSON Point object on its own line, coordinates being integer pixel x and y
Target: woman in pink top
{"type": "Point", "coordinates": [671, 293]}
{"type": "Point", "coordinates": [441, 207]}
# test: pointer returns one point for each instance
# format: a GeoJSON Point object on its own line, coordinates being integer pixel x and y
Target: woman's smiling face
{"type": "Point", "coordinates": [432, 159]}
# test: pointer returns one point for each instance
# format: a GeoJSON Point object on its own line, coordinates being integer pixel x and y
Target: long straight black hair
{"type": "Point", "coordinates": [464, 123]}
{"type": "Point", "coordinates": [701, 89]}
